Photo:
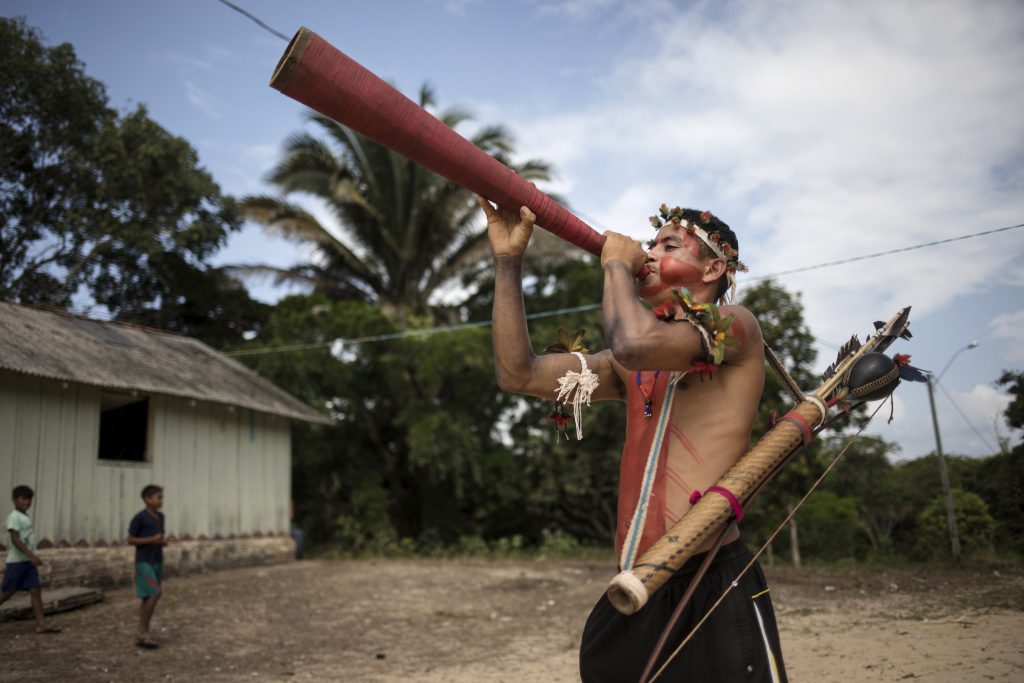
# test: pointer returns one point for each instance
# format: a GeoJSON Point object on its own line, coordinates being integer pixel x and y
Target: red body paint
{"type": "Point", "coordinates": [741, 333]}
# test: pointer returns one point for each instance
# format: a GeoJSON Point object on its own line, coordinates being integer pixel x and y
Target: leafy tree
{"type": "Point", "coordinates": [109, 205]}
{"type": "Point", "coordinates": [48, 108]}
{"type": "Point", "coordinates": [864, 476]}
{"type": "Point", "coordinates": [999, 481]}
{"type": "Point", "coordinates": [406, 232]}
{"type": "Point", "coordinates": [1015, 411]}
{"type": "Point", "coordinates": [413, 453]}
{"type": "Point", "coordinates": [780, 316]}
{"type": "Point", "coordinates": [974, 525]}
{"type": "Point", "coordinates": [830, 527]}
{"type": "Point", "coordinates": [573, 485]}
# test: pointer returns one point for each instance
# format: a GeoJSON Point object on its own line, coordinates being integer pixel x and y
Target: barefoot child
{"type": "Point", "coordinates": [20, 573]}
{"type": "Point", "coordinates": [146, 533]}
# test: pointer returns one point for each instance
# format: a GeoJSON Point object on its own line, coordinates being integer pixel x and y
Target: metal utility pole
{"type": "Point", "coordinates": [954, 535]}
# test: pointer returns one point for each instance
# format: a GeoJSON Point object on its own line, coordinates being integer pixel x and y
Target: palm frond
{"type": "Point", "coordinates": [533, 169]}
{"type": "Point", "coordinates": [427, 95]}
{"type": "Point", "coordinates": [453, 116]}
{"type": "Point", "coordinates": [285, 219]}
{"type": "Point", "coordinates": [298, 225]}
{"type": "Point", "coordinates": [493, 139]}
{"type": "Point", "coordinates": [473, 250]}
{"type": "Point", "coordinates": [309, 165]}
{"type": "Point", "coordinates": [353, 147]}
{"type": "Point", "coordinates": [404, 230]}
{"type": "Point", "coordinates": [296, 275]}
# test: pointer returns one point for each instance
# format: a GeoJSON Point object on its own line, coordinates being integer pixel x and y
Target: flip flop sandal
{"type": "Point", "coordinates": [147, 643]}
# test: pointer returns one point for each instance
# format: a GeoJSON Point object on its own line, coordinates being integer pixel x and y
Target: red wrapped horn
{"type": "Point", "coordinates": [328, 81]}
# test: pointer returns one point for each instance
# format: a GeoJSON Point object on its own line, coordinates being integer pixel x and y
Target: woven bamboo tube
{"type": "Point", "coordinates": [630, 589]}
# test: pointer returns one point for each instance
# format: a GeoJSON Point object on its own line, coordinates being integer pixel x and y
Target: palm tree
{"type": "Point", "coordinates": [405, 231]}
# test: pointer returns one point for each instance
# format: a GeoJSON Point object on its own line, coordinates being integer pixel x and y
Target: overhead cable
{"type": "Point", "coordinates": [591, 307]}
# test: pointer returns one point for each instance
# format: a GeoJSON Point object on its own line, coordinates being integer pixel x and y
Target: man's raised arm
{"type": "Point", "coordinates": [517, 368]}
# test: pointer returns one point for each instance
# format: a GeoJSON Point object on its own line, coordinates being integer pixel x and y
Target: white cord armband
{"type": "Point", "coordinates": [577, 387]}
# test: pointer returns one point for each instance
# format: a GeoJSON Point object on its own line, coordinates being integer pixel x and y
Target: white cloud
{"type": "Point", "coordinates": [974, 432]}
{"type": "Point", "coordinates": [263, 154]}
{"type": "Point", "coordinates": [819, 130]}
{"type": "Point", "coordinates": [185, 62]}
{"type": "Point", "coordinates": [207, 59]}
{"type": "Point", "coordinates": [203, 100]}
{"type": "Point", "coordinates": [575, 8]}
{"type": "Point", "coordinates": [971, 417]}
{"type": "Point", "coordinates": [612, 12]}
{"type": "Point", "coordinates": [1010, 326]}
{"type": "Point", "coordinates": [458, 7]}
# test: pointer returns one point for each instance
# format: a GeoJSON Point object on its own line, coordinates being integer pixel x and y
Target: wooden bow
{"type": "Point", "coordinates": [712, 516]}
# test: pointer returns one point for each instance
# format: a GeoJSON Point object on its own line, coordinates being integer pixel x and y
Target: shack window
{"type": "Point", "coordinates": [124, 424]}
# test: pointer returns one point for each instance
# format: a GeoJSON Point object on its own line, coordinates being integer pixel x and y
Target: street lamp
{"type": "Point", "coordinates": [954, 537]}
{"type": "Point", "coordinates": [972, 345]}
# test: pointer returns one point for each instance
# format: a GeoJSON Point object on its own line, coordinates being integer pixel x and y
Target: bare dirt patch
{"type": "Point", "coordinates": [479, 620]}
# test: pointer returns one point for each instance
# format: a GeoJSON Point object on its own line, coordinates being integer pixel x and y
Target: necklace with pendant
{"type": "Point", "coordinates": [648, 402]}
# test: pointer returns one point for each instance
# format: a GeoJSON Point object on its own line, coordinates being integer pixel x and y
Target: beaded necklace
{"type": "Point", "coordinates": [648, 411]}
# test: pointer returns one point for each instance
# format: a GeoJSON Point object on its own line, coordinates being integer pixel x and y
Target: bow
{"type": "Point", "coordinates": [713, 516]}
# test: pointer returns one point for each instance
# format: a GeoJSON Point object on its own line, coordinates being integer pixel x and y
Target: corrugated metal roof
{"type": "Point", "coordinates": [120, 356]}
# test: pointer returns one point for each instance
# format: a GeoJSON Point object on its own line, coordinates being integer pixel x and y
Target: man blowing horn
{"type": "Point", "coordinates": [691, 375]}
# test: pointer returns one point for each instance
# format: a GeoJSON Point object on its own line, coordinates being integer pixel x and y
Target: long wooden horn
{"type": "Point", "coordinates": [328, 81]}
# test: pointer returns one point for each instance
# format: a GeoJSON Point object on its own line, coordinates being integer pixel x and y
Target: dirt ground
{"type": "Point", "coordinates": [480, 621]}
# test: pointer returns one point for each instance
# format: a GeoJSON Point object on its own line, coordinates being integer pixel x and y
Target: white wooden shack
{"type": "Point", "coordinates": [91, 412]}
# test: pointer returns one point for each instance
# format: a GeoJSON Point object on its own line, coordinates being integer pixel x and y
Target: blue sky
{"type": "Point", "coordinates": [818, 130]}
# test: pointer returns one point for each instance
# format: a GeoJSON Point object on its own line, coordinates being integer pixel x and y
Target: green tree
{"type": "Point", "coordinates": [780, 316]}
{"type": "Point", "coordinates": [974, 524]}
{"type": "Point", "coordinates": [48, 108]}
{"type": "Point", "coordinates": [1015, 411]}
{"type": "Point", "coordinates": [107, 205]}
{"type": "Point", "coordinates": [999, 481]}
{"type": "Point", "coordinates": [573, 485]}
{"type": "Point", "coordinates": [405, 231]}
{"type": "Point", "coordinates": [864, 476]}
{"type": "Point", "coordinates": [830, 527]}
{"type": "Point", "coordinates": [414, 451]}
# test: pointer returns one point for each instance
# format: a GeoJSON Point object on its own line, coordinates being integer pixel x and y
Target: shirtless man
{"type": "Point", "coordinates": [708, 430]}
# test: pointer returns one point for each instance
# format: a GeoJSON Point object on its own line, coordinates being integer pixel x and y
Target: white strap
{"type": "Point", "coordinates": [631, 546]}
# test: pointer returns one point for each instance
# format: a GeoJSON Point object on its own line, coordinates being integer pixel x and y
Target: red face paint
{"type": "Point", "coordinates": [676, 273]}
{"type": "Point", "coordinates": [673, 273]}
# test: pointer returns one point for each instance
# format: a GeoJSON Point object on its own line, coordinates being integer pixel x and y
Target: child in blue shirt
{"type": "Point", "coordinates": [146, 533]}
{"type": "Point", "coordinates": [21, 574]}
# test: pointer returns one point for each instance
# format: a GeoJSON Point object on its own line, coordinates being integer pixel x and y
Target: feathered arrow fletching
{"type": "Point", "coordinates": [845, 351]}
{"type": "Point", "coordinates": [901, 328]}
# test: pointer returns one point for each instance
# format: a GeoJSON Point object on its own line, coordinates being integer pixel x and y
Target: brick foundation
{"type": "Point", "coordinates": [105, 567]}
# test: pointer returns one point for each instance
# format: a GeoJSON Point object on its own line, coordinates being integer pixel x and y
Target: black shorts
{"type": "Point", "coordinates": [739, 642]}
